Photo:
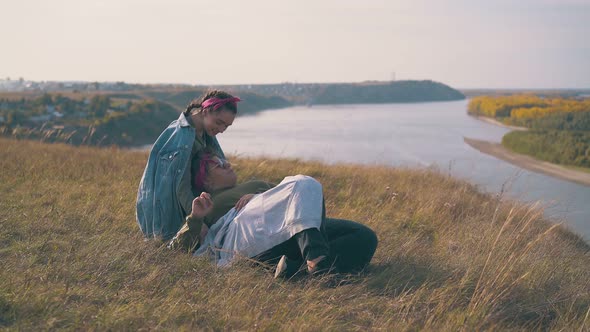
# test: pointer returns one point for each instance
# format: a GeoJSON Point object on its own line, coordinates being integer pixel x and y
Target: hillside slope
{"type": "Point", "coordinates": [449, 257]}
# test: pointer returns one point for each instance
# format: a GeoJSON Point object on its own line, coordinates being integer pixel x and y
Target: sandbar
{"type": "Point", "coordinates": [529, 163]}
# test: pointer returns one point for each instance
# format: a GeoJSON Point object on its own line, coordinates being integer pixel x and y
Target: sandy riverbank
{"type": "Point", "coordinates": [529, 163]}
{"type": "Point", "coordinates": [497, 123]}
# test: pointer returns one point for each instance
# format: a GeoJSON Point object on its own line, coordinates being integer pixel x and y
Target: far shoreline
{"type": "Point", "coordinates": [496, 122]}
{"type": "Point", "coordinates": [529, 163]}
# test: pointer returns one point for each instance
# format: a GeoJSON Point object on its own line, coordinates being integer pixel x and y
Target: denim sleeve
{"type": "Point", "coordinates": [185, 192]}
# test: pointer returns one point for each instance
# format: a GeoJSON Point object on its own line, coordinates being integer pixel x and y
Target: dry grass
{"type": "Point", "coordinates": [449, 258]}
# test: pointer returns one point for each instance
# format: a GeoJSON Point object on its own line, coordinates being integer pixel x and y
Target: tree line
{"type": "Point", "coordinates": [530, 111]}
{"type": "Point", "coordinates": [125, 119]}
{"type": "Point", "coordinates": [560, 127]}
{"type": "Point", "coordinates": [97, 120]}
{"type": "Point", "coordinates": [556, 146]}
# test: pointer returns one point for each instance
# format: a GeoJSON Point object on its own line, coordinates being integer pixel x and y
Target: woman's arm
{"type": "Point", "coordinates": [227, 199]}
{"type": "Point", "coordinates": [193, 231]}
{"type": "Point", "coordinates": [246, 198]}
{"type": "Point", "coordinates": [243, 201]}
{"type": "Point", "coordinates": [185, 192]}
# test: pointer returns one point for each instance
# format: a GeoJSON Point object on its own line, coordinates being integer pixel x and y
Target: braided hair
{"type": "Point", "coordinates": [195, 105]}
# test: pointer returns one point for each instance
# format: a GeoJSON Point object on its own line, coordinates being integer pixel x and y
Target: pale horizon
{"type": "Point", "coordinates": [531, 44]}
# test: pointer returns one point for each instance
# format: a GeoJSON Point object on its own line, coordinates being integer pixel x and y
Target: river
{"type": "Point", "coordinates": [410, 135]}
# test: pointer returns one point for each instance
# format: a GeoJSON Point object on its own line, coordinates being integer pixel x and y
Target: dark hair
{"type": "Point", "coordinates": [195, 104]}
{"type": "Point", "coordinates": [200, 168]}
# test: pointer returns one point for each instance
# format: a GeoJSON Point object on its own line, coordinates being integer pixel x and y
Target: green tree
{"type": "Point", "coordinates": [99, 106]}
{"type": "Point", "coordinates": [45, 99]}
{"type": "Point", "coordinates": [14, 118]}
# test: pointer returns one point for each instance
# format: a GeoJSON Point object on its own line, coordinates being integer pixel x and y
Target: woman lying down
{"type": "Point", "coordinates": [283, 224]}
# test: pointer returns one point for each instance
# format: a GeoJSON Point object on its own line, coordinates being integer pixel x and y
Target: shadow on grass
{"type": "Point", "coordinates": [6, 312]}
{"type": "Point", "coordinates": [537, 308]}
{"type": "Point", "coordinates": [403, 274]}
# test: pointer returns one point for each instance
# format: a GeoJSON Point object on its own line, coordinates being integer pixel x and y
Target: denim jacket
{"type": "Point", "coordinates": [158, 210]}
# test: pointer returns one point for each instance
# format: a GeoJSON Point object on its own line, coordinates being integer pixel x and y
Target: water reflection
{"type": "Point", "coordinates": [415, 135]}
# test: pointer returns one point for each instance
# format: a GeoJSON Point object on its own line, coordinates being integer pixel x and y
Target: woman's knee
{"type": "Point", "coordinates": [366, 243]}
{"type": "Point", "coordinates": [370, 238]}
{"type": "Point", "coordinates": [353, 245]}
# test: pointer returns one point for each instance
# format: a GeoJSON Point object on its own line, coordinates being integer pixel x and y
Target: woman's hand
{"type": "Point", "coordinates": [243, 201]}
{"type": "Point", "coordinates": [202, 205]}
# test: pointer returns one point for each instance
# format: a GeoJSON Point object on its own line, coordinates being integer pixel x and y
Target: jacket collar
{"type": "Point", "coordinates": [182, 120]}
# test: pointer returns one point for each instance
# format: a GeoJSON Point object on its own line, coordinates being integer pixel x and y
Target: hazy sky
{"type": "Point", "coordinates": [463, 43]}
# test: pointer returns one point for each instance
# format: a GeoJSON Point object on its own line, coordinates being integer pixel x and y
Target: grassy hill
{"type": "Point", "coordinates": [134, 118]}
{"type": "Point", "coordinates": [449, 258]}
{"type": "Point", "coordinates": [386, 92]}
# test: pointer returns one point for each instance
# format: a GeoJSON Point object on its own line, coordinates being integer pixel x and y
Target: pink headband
{"type": "Point", "coordinates": [218, 102]}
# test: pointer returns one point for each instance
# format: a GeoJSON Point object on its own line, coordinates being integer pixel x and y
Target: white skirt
{"type": "Point", "coordinates": [267, 220]}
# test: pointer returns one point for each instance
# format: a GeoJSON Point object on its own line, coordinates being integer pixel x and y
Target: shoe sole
{"type": "Point", "coordinates": [281, 269]}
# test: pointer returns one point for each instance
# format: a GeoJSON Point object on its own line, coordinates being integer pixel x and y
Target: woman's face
{"type": "Point", "coordinates": [220, 175]}
{"type": "Point", "coordinates": [216, 122]}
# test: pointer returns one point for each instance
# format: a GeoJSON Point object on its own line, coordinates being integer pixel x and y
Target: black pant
{"type": "Point", "coordinates": [347, 244]}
